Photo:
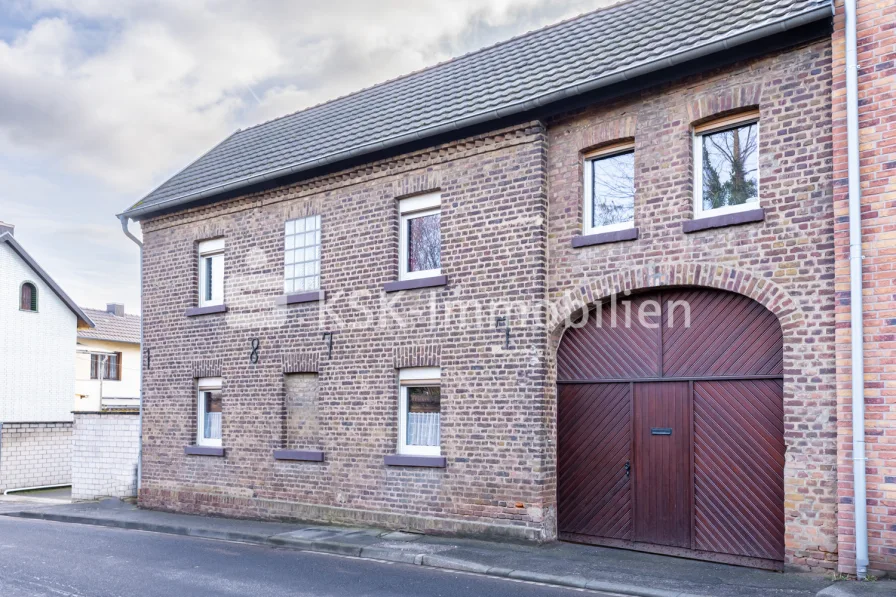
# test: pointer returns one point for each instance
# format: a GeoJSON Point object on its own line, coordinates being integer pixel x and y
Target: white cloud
{"type": "Point", "coordinates": [118, 95]}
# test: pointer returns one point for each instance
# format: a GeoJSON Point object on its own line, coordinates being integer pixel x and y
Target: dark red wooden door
{"type": "Point", "coordinates": [739, 462]}
{"type": "Point", "coordinates": [685, 386]}
{"type": "Point", "coordinates": [662, 463]}
{"type": "Point", "coordinates": [595, 446]}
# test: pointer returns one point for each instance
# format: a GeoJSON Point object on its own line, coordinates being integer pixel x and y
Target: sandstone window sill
{"type": "Point", "coordinates": [430, 282]}
{"type": "Point", "coordinates": [416, 461]}
{"type": "Point", "coordinates": [603, 238]}
{"type": "Point", "coordinates": [299, 455]}
{"type": "Point", "coordinates": [198, 311]}
{"type": "Point", "coordinates": [204, 451]}
{"type": "Point", "coordinates": [301, 297]}
{"type": "Point", "coordinates": [723, 221]}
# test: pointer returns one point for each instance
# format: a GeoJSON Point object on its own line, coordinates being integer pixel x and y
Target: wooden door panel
{"type": "Point", "coordinates": [613, 346]}
{"type": "Point", "coordinates": [719, 334]}
{"type": "Point", "coordinates": [662, 463]}
{"type": "Point", "coordinates": [739, 468]}
{"type": "Point", "coordinates": [594, 444]}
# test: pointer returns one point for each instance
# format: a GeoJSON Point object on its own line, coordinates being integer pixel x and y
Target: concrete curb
{"type": "Point", "coordinates": [402, 556]}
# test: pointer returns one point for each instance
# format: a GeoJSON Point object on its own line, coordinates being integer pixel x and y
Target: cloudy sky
{"type": "Point", "coordinates": [102, 100]}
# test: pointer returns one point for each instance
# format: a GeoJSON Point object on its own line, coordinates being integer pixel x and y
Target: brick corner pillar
{"type": "Point", "coordinates": [876, 37]}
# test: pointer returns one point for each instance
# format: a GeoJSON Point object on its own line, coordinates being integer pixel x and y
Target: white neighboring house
{"type": "Point", "coordinates": [39, 324]}
{"type": "Point", "coordinates": [107, 372]}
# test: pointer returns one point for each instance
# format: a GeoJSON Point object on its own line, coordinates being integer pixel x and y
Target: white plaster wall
{"type": "Point", "coordinates": [105, 447]}
{"type": "Point", "coordinates": [128, 387]}
{"type": "Point", "coordinates": [37, 350]}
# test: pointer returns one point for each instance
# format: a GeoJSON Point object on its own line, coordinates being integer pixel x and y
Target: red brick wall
{"type": "Point", "coordinates": [493, 234]}
{"type": "Point", "coordinates": [785, 262]}
{"type": "Point", "coordinates": [877, 140]}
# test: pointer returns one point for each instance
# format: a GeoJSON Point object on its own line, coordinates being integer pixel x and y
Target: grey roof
{"type": "Point", "coordinates": [591, 51]}
{"type": "Point", "coordinates": [9, 239]}
{"type": "Point", "coordinates": [112, 328]}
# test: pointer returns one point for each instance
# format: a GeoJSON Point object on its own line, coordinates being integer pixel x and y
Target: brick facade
{"type": "Point", "coordinates": [784, 262]}
{"type": "Point", "coordinates": [876, 40]}
{"type": "Point", "coordinates": [511, 203]}
{"type": "Point", "coordinates": [35, 455]}
{"type": "Point", "coordinates": [105, 448]}
{"type": "Point", "coordinates": [493, 232]}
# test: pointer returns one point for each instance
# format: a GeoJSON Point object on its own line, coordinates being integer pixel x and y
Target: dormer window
{"type": "Point", "coordinates": [28, 297]}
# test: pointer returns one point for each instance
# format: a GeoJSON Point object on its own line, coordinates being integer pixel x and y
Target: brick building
{"type": "Point", "coordinates": [394, 317]}
{"type": "Point", "coordinates": [876, 45]}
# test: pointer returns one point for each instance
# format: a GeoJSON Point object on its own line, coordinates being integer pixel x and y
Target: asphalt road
{"type": "Point", "coordinates": [48, 559]}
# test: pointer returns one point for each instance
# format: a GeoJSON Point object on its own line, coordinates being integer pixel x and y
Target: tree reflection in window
{"type": "Point", "coordinates": [730, 167]}
{"type": "Point", "coordinates": [424, 243]}
{"type": "Point", "coordinates": [613, 189]}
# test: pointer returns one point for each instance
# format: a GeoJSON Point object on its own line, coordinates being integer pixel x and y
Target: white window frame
{"type": "Point", "coordinates": [410, 208]}
{"type": "Point", "coordinates": [409, 378]}
{"type": "Point", "coordinates": [317, 228]}
{"type": "Point", "coordinates": [205, 384]}
{"type": "Point", "coordinates": [213, 250]}
{"type": "Point", "coordinates": [716, 126]}
{"type": "Point", "coordinates": [588, 173]}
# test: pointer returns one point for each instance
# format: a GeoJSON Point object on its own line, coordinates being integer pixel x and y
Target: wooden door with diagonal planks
{"type": "Point", "coordinates": [595, 445]}
{"type": "Point", "coordinates": [670, 427]}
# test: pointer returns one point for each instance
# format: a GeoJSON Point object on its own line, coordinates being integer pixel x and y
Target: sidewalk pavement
{"type": "Point", "coordinates": [566, 564]}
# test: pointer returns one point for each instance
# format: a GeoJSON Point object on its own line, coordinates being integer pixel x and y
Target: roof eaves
{"type": "Point", "coordinates": [15, 246]}
{"type": "Point", "coordinates": [711, 47]}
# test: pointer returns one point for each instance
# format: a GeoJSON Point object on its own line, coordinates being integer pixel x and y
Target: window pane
{"type": "Point", "coordinates": [613, 190]}
{"type": "Point", "coordinates": [424, 243]}
{"type": "Point", "coordinates": [212, 406]}
{"type": "Point", "coordinates": [303, 250]}
{"type": "Point", "coordinates": [731, 167]}
{"type": "Point", "coordinates": [424, 406]}
{"type": "Point", "coordinates": [111, 368]}
{"type": "Point", "coordinates": [208, 278]}
{"type": "Point", "coordinates": [29, 298]}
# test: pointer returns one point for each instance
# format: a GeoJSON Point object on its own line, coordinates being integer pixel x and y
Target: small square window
{"type": "Point", "coordinates": [420, 249]}
{"type": "Point", "coordinates": [726, 166]}
{"type": "Point", "coordinates": [610, 189]}
{"type": "Point", "coordinates": [211, 272]}
{"type": "Point", "coordinates": [302, 255]}
{"type": "Point", "coordinates": [209, 411]}
{"type": "Point", "coordinates": [105, 366]}
{"type": "Point", "coordinates": [420, 411]}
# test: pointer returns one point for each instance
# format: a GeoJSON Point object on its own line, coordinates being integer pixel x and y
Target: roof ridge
{"type": "Point", "coordinates": [107, 313]}
{"type": "Point", "coordinates": [436, 65]}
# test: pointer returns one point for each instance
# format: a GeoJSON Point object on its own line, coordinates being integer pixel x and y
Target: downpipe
{"type": "Point", "coordinates": [855, 292]}
{"type": "Point", "coordinates": [139, 243]}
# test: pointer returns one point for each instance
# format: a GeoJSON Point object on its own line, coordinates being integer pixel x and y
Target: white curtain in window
{"type": "Point", "coordinates": [423, 429]}
{"type": "Point", "coordinates": [213, 425]}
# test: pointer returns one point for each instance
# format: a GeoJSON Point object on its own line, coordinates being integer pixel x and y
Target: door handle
{"type": "Point", "coordinates": [628, 469]}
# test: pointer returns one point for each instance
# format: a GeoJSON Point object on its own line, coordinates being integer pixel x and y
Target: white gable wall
{"type": "Point", "coordinates": [37, 350]}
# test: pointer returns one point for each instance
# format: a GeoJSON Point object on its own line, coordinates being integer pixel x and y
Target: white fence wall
{"type": "Point", "coordinates": [105, 447]}
{"type": "Point", "coordinates": [35, 455]}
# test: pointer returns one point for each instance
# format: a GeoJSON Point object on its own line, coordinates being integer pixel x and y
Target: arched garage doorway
{"type": "Point", "coordinates": [670, 427]}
